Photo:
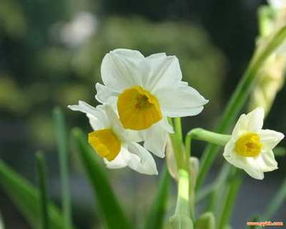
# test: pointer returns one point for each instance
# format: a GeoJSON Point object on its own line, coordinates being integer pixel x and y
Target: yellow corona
{"type": "Point", "coordinates": [138, 109]}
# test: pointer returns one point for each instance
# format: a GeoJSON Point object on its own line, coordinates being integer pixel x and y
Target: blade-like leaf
{"type": "Point", "coordinates": [61, 137]}
{"type": "Point", "coordinates": [156, 215]}
{"type": "Point", "coordinates": [42, 180]}
{"type": "Point", "coordinates": [26, 197]}
{"type": "Point", "coordinates": [107, 202]}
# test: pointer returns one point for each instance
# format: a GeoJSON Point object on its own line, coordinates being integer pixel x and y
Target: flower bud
{"type": "Point", "coordinates": [206, 221]}
{"type": "Point", "coordinates": [181, 221]}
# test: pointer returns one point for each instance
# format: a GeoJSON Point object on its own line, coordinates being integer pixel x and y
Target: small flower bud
{"type": "Point", "coordinates": [181, 221]}
{"type": "Point", "coordinates": [206, 221]}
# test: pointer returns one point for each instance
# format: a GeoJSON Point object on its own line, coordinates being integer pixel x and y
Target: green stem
{"type": "Point", "coordinates": [177, 144]}
{"type": "Point", "coordinates": [181, 219]}
{"type": "Point", "coordinates": [278, 200]}
{"type": "Point", "coordinates": [205, 135]}
{"type": "Point", "coordinates": [61, 138]}
{"type": "Point", "coordinates": [238, 99]}
{"type": "Point", "coordinates": [178, 128]}
{"type": "Point", "coordinates": [182, 207]}
{"type": "Point", "coordinates": [42, 179]}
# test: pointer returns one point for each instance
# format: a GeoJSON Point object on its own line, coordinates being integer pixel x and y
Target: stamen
{"type": "Point", "coordinates": [248, 145]}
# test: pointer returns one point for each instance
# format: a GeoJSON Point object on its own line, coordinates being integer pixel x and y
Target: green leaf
{"type": "Point", "coordinates": [61, 137]}
{"type": "Point", "coordinates": [26, 197]}
{"type": "Point", "coordinates": [156, 215]}
{"type": "Point", "coordinates": [106, 200]}
{"type": "Point", "coordinates": [42, 179]}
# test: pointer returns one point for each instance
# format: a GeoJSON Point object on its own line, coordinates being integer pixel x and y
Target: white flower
{"type": "Point", "coordinates": [111, 141]}
{"type": "Point", "coordinates": [277, 4]}
{"type": "Point", "coordinates": [250, 147]}
{"type": "Point", "coordinates": [147, 90]}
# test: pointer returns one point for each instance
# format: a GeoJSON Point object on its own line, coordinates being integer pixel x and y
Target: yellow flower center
{"type": "Point", "coordinates": [105, 143]}
{"type": "Point", "coordinates": [248, 145]}
{"type": "Point", "coordinates": [138, 109]}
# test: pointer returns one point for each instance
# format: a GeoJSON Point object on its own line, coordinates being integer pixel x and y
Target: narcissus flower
{"type": "Point", "coordinates": [116, 145]}
{"type": "Point", "coordinates": [250, 147]}
{"type": "Point", "coordinates": [277, 4]}
{"type": "Point", "coordinates": [145, 91]}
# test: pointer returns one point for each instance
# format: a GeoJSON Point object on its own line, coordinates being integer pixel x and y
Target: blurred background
{"type": "Point", "coordinates": [50, 55]}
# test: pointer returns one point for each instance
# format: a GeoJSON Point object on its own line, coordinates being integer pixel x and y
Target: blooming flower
{"type": "Point", "coordinates": [250, 147]}
{"type": "Point", "coordinates": [112, 142]}
{"type": "Point", "coordinates": [277, 4]}
{"type": "Point", "coordinates": [145, 91]}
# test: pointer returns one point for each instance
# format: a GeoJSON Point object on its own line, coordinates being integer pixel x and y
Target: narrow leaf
{"type": "Point", "coordinates": [42, 179]}
{"type": "Point", "coordinates": [156, 215]}
{"type": "Point", "coordinates": [26, 197]}
{"type": "Point", "coordinates": [106, 200]}
{"type": "Point", "coordinates": [61, 137]}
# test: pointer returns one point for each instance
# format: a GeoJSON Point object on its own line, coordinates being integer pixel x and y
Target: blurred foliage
{"type": "Point", "coordinates": [35, 76]}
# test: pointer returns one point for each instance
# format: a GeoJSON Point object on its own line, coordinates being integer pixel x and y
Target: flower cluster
{"type": "Point", "coordinates": [138, 95]}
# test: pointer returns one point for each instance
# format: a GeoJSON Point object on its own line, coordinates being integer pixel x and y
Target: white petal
{"type": "Point", "coordinates": [164, 71]}
{"type": "Point", "coordinates": [251, 122]}
{"type": "Point", "coordinates": [256, 166]}
{"type": "Point", "coordinates": [96, 116]}
{"type": "Point", "coordinates": [180, 100]}
{"type": "Point", "coordinates": [255, 119]}
{"type": "Point", "coordinates": [256, 174]}
{"type": "Point", "coordinates": [166, 125]}
{"type": "Point", "coordinates": [231, 156]}
{"type": "Point", "coordinates": [155, 139]}
{"type": "Point", "coordinates": [104, 94]}
{"type": "Point", "coordinates": [269, 161]}
{"type": "Point", "coordinates": [270, 138]}
{"type": "Point", "coordinates": [121, 160]}
{"type": "Point", "coordinates": [240, 126]}
{"type": "Point", "coordinates": [146, 164]}
{"type": "Point", "coordinates": [120, 68]}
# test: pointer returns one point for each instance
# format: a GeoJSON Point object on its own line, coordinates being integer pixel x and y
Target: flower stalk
{"type": "Point", "coordinates": [205, 135]}
{"type": "Point", "coordinates": [181, 218]}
